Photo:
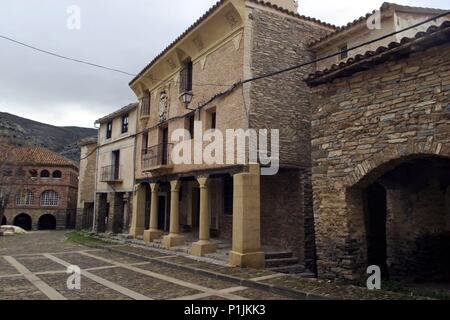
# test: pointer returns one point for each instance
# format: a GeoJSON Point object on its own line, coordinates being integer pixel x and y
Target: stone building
{"type": "Point", "coordinates": [381, 160]}
{"type": "Point", "coordinates": [42, 188]}
{"type": "Point", "coordinates": [115, 167]}
{"type": "Point", "coordinates": [86, 183]}
{"type": "Point", "coordinates": [234, 40]}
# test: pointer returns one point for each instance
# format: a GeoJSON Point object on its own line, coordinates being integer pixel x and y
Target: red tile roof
{"type": "Point", "coordinates": [211, 11]}
{"type": "Point", "coordinates": [434, 35]}
{"type": "Point", "coordinates": [38, 156]}
{"type": "Point", "coordinates": [385, 7]}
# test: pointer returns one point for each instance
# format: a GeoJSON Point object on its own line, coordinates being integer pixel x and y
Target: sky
{"type": "Point", "coordinates": [122, 34]}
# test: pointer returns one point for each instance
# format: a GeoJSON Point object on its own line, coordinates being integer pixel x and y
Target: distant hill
{"type": "Point", "coordinates": [24, 132]}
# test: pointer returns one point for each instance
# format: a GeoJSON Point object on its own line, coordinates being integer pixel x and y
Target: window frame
{"type": "Point", "coordinates": [24, 198]}
{"type": "Point", "coordinates": [125, 123]}
{"type": "Point", "coordinates": [47, 201]}
{"type": "Point", "coordinates": [109, 129]}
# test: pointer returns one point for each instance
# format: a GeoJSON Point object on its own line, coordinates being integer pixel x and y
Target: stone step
{"type": "Point", "coordinates": [292, 269]}
{"type": "Point", "coordinates": [283, 262]}
{"type": "Point", "coordinates": [278, 255]}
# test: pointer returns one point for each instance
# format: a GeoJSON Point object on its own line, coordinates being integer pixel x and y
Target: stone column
{"type": "Point", "coordinates": [138, 215]}
{"type": "Point", "coordinates": [174, 239]}
{"type": "Point", "coordinates": [204, 245]}
{"type": "Point", "coordinates": [153, 233]}
{"type": "Point", "coordinates": [246, 250]}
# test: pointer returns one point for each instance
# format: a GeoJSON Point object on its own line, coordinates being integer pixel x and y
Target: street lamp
{"type": "Point", "coordinates": [186, 99]}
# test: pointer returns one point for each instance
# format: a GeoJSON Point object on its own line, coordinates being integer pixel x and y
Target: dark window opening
{"type": "Point", "coordinates": [20, 173]}
{"type": "Point", "coordinates": [33, 173]}
{"type": "Point", "coordinates": [109, 128]}
{"type": "Point", "coordinates": [45, 174]}
{"type": "Point", "coordinates": [125, 121]}
{"type": "Point", "coordinates": [344, 52]}
{"type": "Point", "coordinates": [213, 120]}
{"type": "Point", "coordinates": [228, 195]}
{"type": "Point", "coordinates": [57, 174]}
{"type": "Point", "coordinates": [7, 172]}
{"type": "Point", "coordinates": [186, 76]}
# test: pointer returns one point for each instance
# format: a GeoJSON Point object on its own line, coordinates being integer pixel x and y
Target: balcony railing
{"type": "Point", "coordinates": [156, 157]}
{"type": "Point", "coordinates": [110, 174]}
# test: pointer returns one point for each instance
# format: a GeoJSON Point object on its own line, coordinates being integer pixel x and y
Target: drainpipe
{"type": "Point", "coordinates": [96, 175]}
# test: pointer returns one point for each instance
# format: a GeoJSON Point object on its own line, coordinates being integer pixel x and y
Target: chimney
{"type": "Point", "coordinates": [291, 5]}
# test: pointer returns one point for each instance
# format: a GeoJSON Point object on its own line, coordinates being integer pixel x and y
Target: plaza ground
{"type": "Point", "coordinates": [33, 267]}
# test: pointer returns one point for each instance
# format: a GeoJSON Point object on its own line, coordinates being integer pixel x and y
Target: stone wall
{"type": "Point", "coordinates": [282, 102]}
{"type": "Point", "coordinates": [364, 126]}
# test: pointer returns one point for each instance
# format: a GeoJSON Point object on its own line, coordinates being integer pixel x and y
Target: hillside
{"type": "Point", "coordinates": [25, 132]}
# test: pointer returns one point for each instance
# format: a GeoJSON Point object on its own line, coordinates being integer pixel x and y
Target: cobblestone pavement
{"type": "Point", "coordinates": [33, 267]}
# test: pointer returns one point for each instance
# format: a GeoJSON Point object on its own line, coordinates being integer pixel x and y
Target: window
{"type": "Point", "coordinates": [49, 199]}
{"type": "Point", "coordinates": [186, 75]}
{"type": "Point", "coordinates": [191, 125]}
{"type": "Point", "coordinates": [145, 143]}
{"type": "Point", "coordinates": [57, 174]}
{"type": "Point", "coordinates": [20, 173]}
{"type": "Point", "coordinates": [145, 107]}
{"type": "Point", "coordinates": [25, 198]}
{"type": "Point", "coordinates": [7, 172]}
{"type": "Point", "coordinates": [125, 121]}
{"type": "Point", "coordinates": [109, 128]}
{"type": "Point", "coordinates": [45, 174]}
{"type": "Point", "coordinates": [344, 52]}
{"type": "Point", "coordinates": [33, 173]}
{"type": "Point", "coordinates": [213, 120]}
{"type": "Point", "coordinates": [228, 195]}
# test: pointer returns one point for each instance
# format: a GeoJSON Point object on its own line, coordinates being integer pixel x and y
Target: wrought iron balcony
{"type": "Point", "coordinates": [157, 157]}
{"type": "Point", "coordinates": [111, 174]}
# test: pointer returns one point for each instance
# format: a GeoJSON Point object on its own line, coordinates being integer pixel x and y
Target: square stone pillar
{"type": "Point", "coordinates": [153, 233]}
{"type": "Point", "coordinates": [204, 245]}
{"type": "Point", "coordinates": [246, 251]}
{"type": "Point", "coordinates": [174, 239]}
{"type": "Point", "coordinates": [138, 215]}
{"type": "Point", "coordinates": [101, 208]}
{"type": "Point", "coordinates": [115, 223]}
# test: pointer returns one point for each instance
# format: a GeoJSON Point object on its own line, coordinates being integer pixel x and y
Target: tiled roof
{"type": "Point", "coordinates": [385, 7]}
{"type": "Point", "coordinates": [211, 11]}
{"type": "Point", "coordinates": [117, 113]}
{"type": "Point", "coordinates": [434, 35]}
{"type": "Point", "coordinates": [38, 156]}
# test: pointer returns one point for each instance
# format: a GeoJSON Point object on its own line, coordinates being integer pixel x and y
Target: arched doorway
{"type": "Point", "coordinates": [23, 221]}
{"type": "Point", "coordinates": [47, 222]}
{"type": "Point", "coordinates": [4, 221]}
{"type": "Point", "coordinates": [405, 229]}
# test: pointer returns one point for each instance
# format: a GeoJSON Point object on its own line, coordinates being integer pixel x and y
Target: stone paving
{"type": "Point", "coordinates": [33, 267]}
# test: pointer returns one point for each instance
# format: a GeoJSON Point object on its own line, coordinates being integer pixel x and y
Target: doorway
{"type": "Point", "coordinates": [376, 215]}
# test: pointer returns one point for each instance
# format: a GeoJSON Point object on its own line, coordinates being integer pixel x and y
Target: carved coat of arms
{"type": "Point", "coordinates": [163, 106]}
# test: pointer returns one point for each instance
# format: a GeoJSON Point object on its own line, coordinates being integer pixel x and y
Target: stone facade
{"type": "Point", "coordinates": [86, 183]}
{"type": "Point", "coordinates": [380, 150]}
{"type": "Point", "coordinates": [239, 40]}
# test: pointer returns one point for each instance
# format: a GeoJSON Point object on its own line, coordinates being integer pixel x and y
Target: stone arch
{"type": "Point", "coordinates": [4, 221]}
{"type": "Point", "coordinates": [389, 157]}
{"type": "Point", "coordinates": [47, 222]}
{"type": "Point", "coordinates": [415, 221]}
{"type": "Point", "coordinates": [23, 221]}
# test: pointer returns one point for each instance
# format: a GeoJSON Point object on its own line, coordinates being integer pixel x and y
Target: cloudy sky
{"type": "Point", "coordinates": [123, 34]}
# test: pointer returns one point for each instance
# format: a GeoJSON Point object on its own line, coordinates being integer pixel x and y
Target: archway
{"type": "Point", "coordinates": [23, 221]}
{"type": "Point", "coordinates": [400, 218]}
{"type": "Point", "coordinates": [4, 221]}
{"type": "Point", "coordinates": [47, 222]}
